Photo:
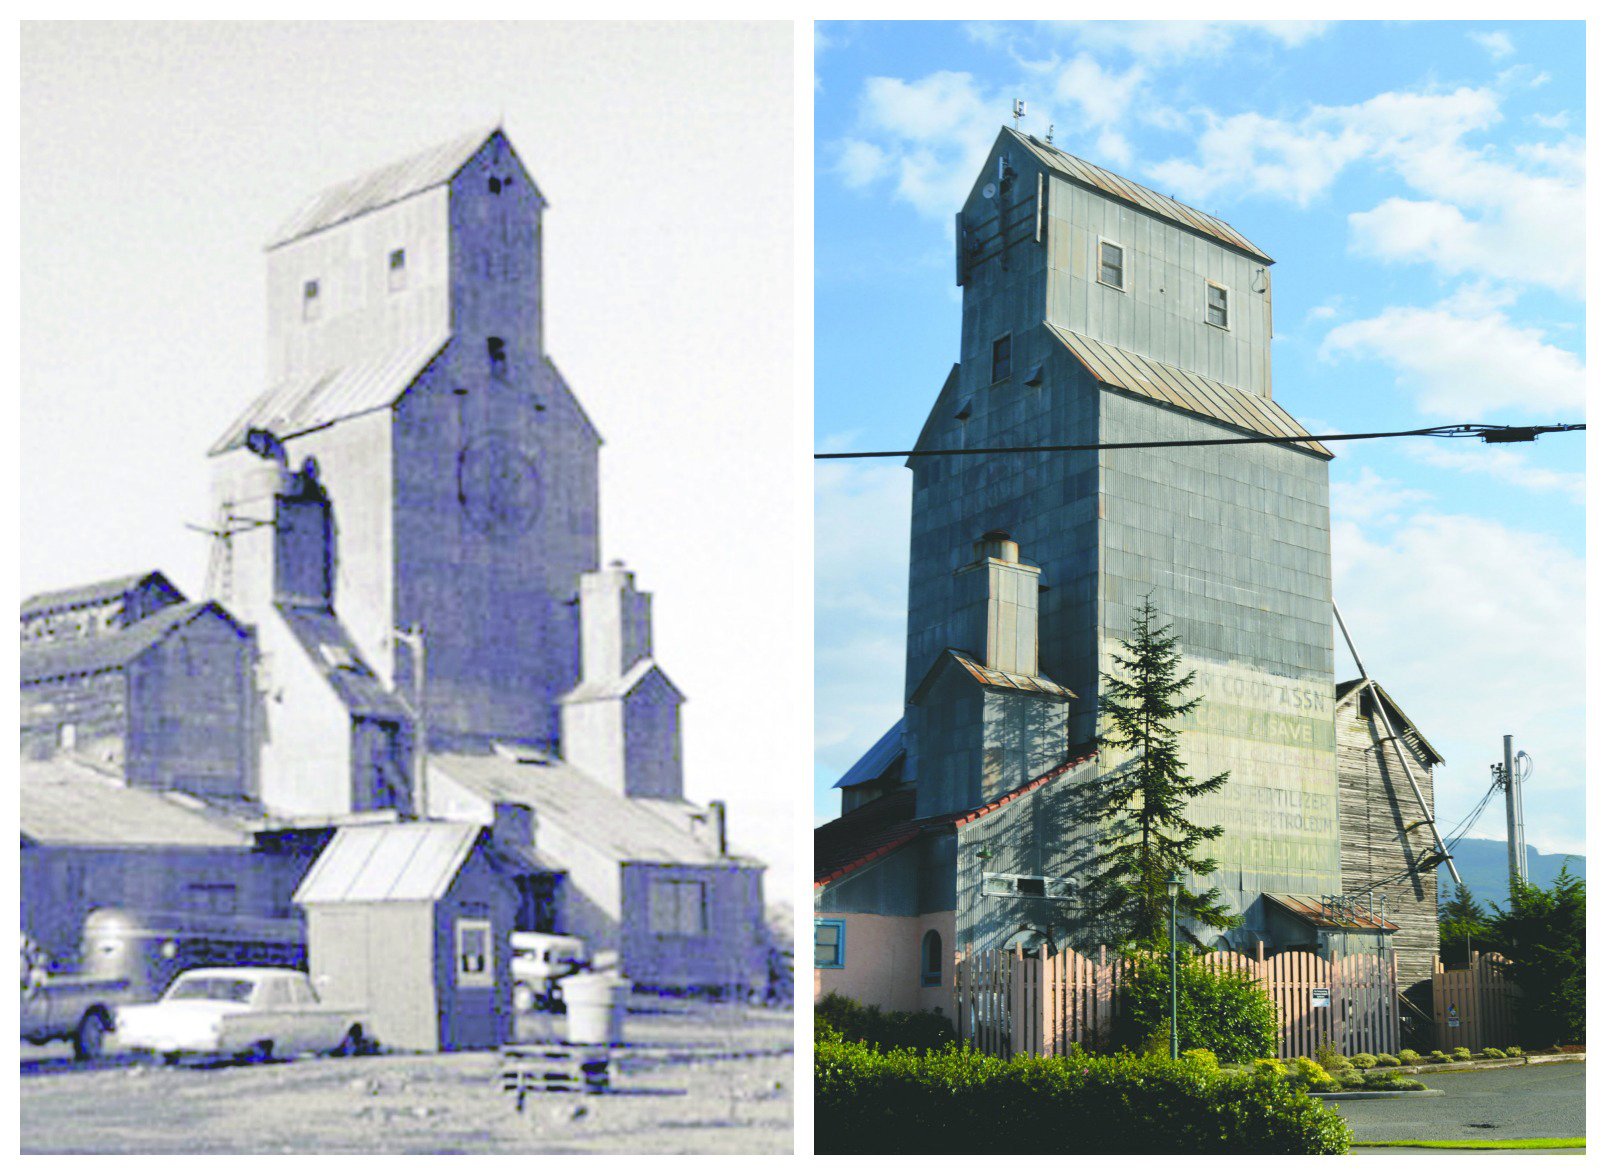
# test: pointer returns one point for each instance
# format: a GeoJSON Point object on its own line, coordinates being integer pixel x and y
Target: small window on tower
{"type": "Point", "coordinates": [398, 269]}
{"type": "Point", "coordinates": [1112, 265]}
{"type": "Point", "coordinates": [309, 301]}
{"type": "Point", "coordinates": [495, 185]}
{"type": "Point", "coordinates": [1215, 304]}
{"type": "Point", "coordinates": [1001, 358]}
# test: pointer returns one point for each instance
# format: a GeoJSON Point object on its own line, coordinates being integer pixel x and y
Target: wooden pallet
{"type": "Point", "coordinates": [555, 1068]}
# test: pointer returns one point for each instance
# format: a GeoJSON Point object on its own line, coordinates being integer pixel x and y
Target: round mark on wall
{"type": "Point", "coordinates": [499, 486]}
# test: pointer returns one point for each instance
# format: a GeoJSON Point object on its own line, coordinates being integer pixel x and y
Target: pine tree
{"type": "Point", "coordinates": [1464, 927]}
{"type": "Point", "coordinates": [1140, 806]}
{"type": "Point", "coordinates": [1541, 934]}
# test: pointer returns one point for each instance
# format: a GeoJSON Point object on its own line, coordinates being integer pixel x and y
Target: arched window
{"type": "Point", "coordinates": [931, 960]}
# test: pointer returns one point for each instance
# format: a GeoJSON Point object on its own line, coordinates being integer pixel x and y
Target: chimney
{"type": "Point", "coordinates": [995, 613]}
{"type": "Point", "coordinates": [615, 624]}
{"type": "Point", "coordinates": [716, 811]}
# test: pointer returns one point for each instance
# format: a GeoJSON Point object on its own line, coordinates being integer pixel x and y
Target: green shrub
{"type": "Point", "coordinates": [1363, 1061]}
{"type": "Point", "coordinates": [1461, 1053]}
{"type": "Point", "coordinates": [1307, 1074]}
{"type": "Point", "coordinates": [1225, 1012]}
{"type": "Point", "coordinates": [1330, 1058]}
{"type": "Point", "coordinates": [1439, 1057]}
{"type": "Point", "coordinates": [1391, 1081]}
{"type": "Point", "coordinates": [1349, 1079]}
{"type": "Point", "coordinates": [956, 1101]}
{"type": "Point", "coordinates": [1201, 1057]}
{"type": "Point", "coordinates": [922, 1031]}
{"type": "Point", "coordinates": [1387, 1060]}
{"type": "Point", "coordinates": [1514, 1051]}
{"type": "Point", "coordinates": [1410, 1057]}
{"type": "Point", "coordinates": [1270, 1065]}
{"type": "Point", "coordinates": [1494, 1054]}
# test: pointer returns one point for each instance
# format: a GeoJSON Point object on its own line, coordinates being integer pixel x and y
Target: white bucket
{"type": "Point", "coordinates": [596, 1008]}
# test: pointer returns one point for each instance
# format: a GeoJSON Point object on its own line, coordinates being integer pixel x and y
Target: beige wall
{"type": "Point", "coordinates": [882, 963]}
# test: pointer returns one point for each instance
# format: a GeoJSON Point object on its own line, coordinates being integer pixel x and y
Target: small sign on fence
{"type": "Point", "coordinates": [1321, 997]}
{"type": "Point", "coordinates": [1455, 1017]}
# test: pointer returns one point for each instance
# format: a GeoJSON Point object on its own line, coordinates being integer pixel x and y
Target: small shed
{"type": "Point", "coordinates": [411, 922]}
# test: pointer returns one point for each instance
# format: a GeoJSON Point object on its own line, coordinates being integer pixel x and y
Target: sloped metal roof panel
{"type": "Point", "coordinates": [312, 401]}
{"type": "Point", "coordinates": [1148, 199]}
{"type": "Point", "coordinates": [874, 762]}
{"type": "Point", "coordinates": [112, 649]}
{"type": "Point", "coordinates": [1186, 390]}
{"type": "Point", "coordinates": [359, 688]}
{"type": "Point", "coordinates": [104, 591]}
{"type": "Point", "coordinates": [627, 830]}
{"type": "Point", "coordinates": [64, 802]}
{"type": "Point", "coordinates": [382, 186]}
{"type": "Point", "coordinates": [389, 863]}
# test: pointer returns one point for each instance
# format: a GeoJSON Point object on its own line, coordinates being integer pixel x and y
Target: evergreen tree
{"type": "Point", "coordinates": [1464, 926]}
{"type": "Point", "coordinates": [1541, 933]}
{"type": "Point", "coordinates": [1140, 806]}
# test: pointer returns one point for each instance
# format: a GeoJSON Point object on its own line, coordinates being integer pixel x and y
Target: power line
{"type": "Point", "coordinates": [1489, 433]}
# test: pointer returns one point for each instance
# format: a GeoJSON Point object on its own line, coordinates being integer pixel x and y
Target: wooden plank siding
{"type": "Point", "coordinates": [1011, 1002]}
{"type": "Point", "coordinates": [1484, 1000]}
{"type": "Point", "coordinates": [1385, 832]}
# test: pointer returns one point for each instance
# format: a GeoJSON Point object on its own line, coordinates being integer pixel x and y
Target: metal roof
{"type": "Point", "coordinates": [103, 592]}
{"type": "Point", "coordinates": [1402, 720]}
{"type": "Point", "coordinates": [1325, 917]}
{"type": "Point", "coordinates": [989, 677]}
{"type": "Point", "coordinates": [875, 762]}
{"type": "Point", "coordinates": [309, 401]}
{"type": "Point", "coordinates": [560, 796]}
{"type": "Point", "coordinates": [111, 649]}
{"type": "Point", "coordinates": [384, 185]}
{"type": "Point", "coordinates": [414, 862]}
{"type": "Point", "coordinates": [335, 656]}
{"type": "Point", "coordinates": [623, 686]}
{"type": "Point", "coordinates": [67, 802]}
{"type": "Point", "coordinates": [1131, 372]}
{"type": "Point", "coordinates": [1148, 199]}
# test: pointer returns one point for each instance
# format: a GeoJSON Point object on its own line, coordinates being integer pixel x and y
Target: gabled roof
{"type": "Point", "coordinates": [114, 648]}
{"type": "Point", "coordinates": [1091, 176]}
{"type": "Point", "coordinates": [1398, 718]}
{"type": "Point", "coordinates": [386, 185]}
{"type": "Point", "coordinates": [334, 655]}
{"type": "Point", "coordinates": [66, 802]}
{"type": "Point", "coordinates": [306, 402]}
{"type": "Point", "coordinates": [987, 677]}
{"type": "Point", "coordinates": [559, 795]}
{"type": "Point", "coordinates": [104, 592]}
{"type": "Point", "coordinates": [622, 687]}
{"type": "Point", "coordinates": [1128, 371]}
{"type": "Point", "coordinates": [877, 761]}
{"type": "Point", "coordinates": [414, 862]}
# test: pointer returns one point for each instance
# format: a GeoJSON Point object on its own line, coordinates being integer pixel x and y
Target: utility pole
{"type": "Point", "coordinates": [413, 638]}
{"type": "Point", "coordinates": [1516, 848]}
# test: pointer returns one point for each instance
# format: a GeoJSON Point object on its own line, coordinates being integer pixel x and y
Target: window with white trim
{"type": "Point", "coordinates": [677, 907]}
{"type": "Point", "coordinates": [309, 301]}
{"type": "Point", "coordinates": [931, 959]}
{"type": "Point", "coordinates": [1215, 304]}
{"type": "Point", "coordinates": [1112, 264]}
{"type": "Point", "coordinates": [476, 964]}
{"type": "Point", "coordinates": [830, 942]}
{"type": "Point", "coordinates": [1025, 885]}
{"type": "Point", "coordinates": [398, 269]}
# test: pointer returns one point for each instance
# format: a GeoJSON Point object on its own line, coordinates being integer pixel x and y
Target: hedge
{"type": "Point", "coordinates": [958, 1101]}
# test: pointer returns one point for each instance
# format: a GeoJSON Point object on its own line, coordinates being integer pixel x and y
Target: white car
{"type": "Point", "coordinates": [255, 1012]}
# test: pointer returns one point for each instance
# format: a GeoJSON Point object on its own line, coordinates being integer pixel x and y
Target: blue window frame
{"type": "Point", "coordinates": [830, 942]}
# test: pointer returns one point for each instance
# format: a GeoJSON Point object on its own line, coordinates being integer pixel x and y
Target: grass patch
{"type": "Point", "coordinates": [1483, 1144]}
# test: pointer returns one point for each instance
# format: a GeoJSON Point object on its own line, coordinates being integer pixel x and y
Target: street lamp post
{"type": "Point", "coordinates": [1173, 885]}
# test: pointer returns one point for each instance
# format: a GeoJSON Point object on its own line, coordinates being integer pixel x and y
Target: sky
{"type": "Point", "coordinates": [1421, 186]}
{"type": "Point", "coordinates": [157, 159]}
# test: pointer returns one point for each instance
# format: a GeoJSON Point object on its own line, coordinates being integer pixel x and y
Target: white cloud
{"type": "Point", "coordinates": [859, 163]}
{"type": "Point", "coordinates": [1510, 465]}
{"type": "Point", "coordinates": [1464, 366]}
{"type": "Point", "coordinates": [1474, 628]}
{"type": "Point", "coordinates": [1100, 95]}
{"type": "Point", "coordinates": [1498, 44]}
{"type": "Point", "coordinates": [1259, 154]}
{"type": "Point", "coordinates": [1373, 499]}
{"type": "Point", "coordinates": [932, 131]}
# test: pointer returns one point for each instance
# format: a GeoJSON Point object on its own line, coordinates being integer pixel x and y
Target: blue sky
{"type": "Point", "coordinates": [1421, 187]}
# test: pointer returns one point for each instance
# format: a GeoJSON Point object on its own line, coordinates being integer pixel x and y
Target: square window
{"type": "Point", "coordinates": [1000, 359]}
{"type": "Point", "coordinates": [830, 942]}
{"type": "Point", "coordinates": [1112, 265]}
{"type": "Point", "coordinates": [475, 962]}
{"type": "Point", "coordinates": [1215, 304]}
{"type": "Point", "coordinates": [677, 908]}
{"type": "Point", "coordinates": [309, 301]}
{"type": "Point", "coordinates": [398, 269]}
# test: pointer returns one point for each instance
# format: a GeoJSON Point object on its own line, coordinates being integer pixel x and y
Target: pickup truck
{"type": "Point", "coordinates": [70, 1007]}
{"type": "Point", "coordinates": [252, 1012]}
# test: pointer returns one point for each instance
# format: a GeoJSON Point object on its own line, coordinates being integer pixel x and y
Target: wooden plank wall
{"type": "Point", "coordinates": [1010, 1002]}
{"type": "Point", "coordinates": [1484, 999]}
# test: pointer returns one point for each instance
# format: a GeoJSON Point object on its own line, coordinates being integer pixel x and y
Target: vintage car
{"type": "Point", "coordinates": [252, 1012]}
{"type": "Point", "coordinates": [540, 961]}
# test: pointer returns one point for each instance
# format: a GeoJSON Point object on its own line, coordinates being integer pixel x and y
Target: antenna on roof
{"type": "Point", "coordinates": [1020, 112]}
{"type": "Point", "coordinates": [1050, 134]}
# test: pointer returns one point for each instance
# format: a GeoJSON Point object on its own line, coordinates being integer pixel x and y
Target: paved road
{"type": "Point", "coordinates": [1527, 1101]}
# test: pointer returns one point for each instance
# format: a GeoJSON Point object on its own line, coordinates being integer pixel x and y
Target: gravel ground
{"type": "Point", "coordinates": [694, 1079]}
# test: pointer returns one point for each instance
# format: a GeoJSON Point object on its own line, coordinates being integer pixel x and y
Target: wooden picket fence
{"type": "Point", "coordinates": [1011, 1002]}
{"type": "Point", "coordinates": [1474, 1006]}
